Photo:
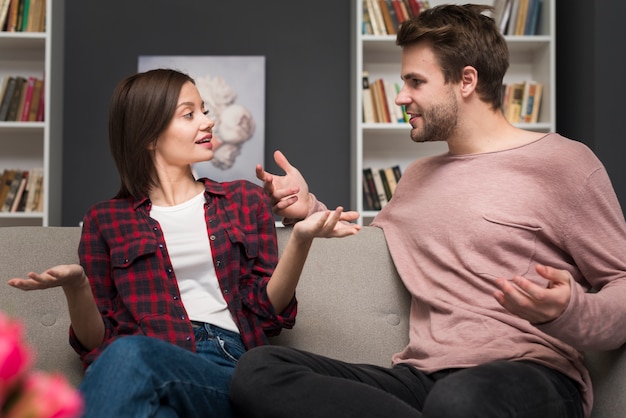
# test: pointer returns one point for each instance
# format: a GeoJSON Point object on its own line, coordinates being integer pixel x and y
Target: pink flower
{"type": "Point", "coordinates": [46, 396]}
{"type": "Point", "coordinates": [15, 357]}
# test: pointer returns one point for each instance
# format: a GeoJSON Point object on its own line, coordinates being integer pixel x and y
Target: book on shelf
{"type": "Point", "coordinates": [5, 184]}
{"type": "Point", "coordinates": [380, 188]}
{"type": "Point", "coordinates": [4, 13]}
{"type": "Point", "coordinates": [37, 102]}
{"type": "Point", "coordinates": [19, 194]}
{"type": "Point", "coordinates": [390, 28]}
{"type": "Point", "coordinates": [391, 180]}
{"type": "Point", "coordinates": [522, 101]}
{"type": "Point", "coordinates": [22, 15]}
{"type": "Point", "coordinates": [368, 101]}
{"type": "Point", "coordinates": [13, 185]}
{"type": "Point", "coordinates": [14, 102]}
{"type": "Point", "coordinates": [35, 190]}
{"type": "Point", "coordinates": [7, 95]}
{"type": "Point", "coordinates": [28, 99]}
{"type": "Point", "coordinates": [376, 17]}
{"type": "Point", "coordinates": [518, 17]}
{"type": "Point", "coordinates": [368, 180]}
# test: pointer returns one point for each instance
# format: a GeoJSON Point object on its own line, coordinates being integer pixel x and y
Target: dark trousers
{"type": "Point", "coordinates": [275, 382]}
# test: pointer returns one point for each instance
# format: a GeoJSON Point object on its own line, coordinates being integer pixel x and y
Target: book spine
{"type": "Point", "coordinates": [368, 178]}
{"type": "Point", "coordinates": [28, 99]}
{"type": "Point", "coordinates": [380, 189]}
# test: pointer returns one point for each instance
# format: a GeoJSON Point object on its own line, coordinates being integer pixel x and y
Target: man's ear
{"type": "Point", "coordinates": [469, 80]}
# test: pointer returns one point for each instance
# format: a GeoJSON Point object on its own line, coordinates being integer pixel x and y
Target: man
{"type": "Point", "coordinates": [498, 241]}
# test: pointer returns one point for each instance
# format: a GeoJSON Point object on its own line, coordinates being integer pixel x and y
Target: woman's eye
{"type": "Point", "coordinates": [206, 113]}
{"type": "Point", "coordinates": [188, 115]}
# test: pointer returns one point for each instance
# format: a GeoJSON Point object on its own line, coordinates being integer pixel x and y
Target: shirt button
{"type": "Point", "coordinates": [188, 338]}
{"type": "Point", "coordinates": [182, 317]}
{"type": "Point", "coordinates": [175, 298]}
{"type": "Point", "coordinates": [212, 237]}
{"type": "Point", "coordinates": [226, 291]}
{"type": "Point", "coordinates": [169, 270]}
{"type": "Point", "coordinates": [219, 263]}
{"type": "Point", "coordinates": [160, 245]}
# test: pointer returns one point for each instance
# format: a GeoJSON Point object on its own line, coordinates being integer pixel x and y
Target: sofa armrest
{"type": "Point", "coordinates": [608, 374]}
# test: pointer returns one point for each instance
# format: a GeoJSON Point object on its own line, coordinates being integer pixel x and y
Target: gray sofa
{"type": "Point", "coordinates": [352, 306]}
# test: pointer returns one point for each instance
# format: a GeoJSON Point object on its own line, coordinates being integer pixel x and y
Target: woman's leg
{"type": "Point", "coordinates": [504, 389]}
{"type": "Point", "coordinates": [139, 376]}
{"type": "Point", "coordinates": [280, 382]}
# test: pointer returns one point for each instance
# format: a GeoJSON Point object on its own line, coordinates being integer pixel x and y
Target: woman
{"type": "Point", "coordinates": [178, 276]}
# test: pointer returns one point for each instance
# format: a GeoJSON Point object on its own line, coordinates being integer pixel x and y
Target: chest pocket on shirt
{"type": "Point", "coordinates": [248, 243]}
{"type": "Point", "coordinates": [124, 255]}
{"type": "Point", "coordinates": [502, 248]}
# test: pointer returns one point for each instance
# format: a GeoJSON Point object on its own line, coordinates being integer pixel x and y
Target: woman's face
{"type": "Point", "coordinates": [187, 139]}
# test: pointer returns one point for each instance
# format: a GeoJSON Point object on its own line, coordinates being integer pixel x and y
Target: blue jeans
{"type": "Point", "coordinates": [281, 382]}
{"type": "Point", "coordinates": [138, 376]}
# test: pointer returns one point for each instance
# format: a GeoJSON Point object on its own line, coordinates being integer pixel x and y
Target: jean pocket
{"type": "Point", "coordinates": [230, 348]}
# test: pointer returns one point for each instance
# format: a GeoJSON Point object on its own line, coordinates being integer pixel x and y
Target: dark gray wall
{"type": "Point", "coordinates": [307, 50]}
{"type": "Point", "coordinates": [591, 63]}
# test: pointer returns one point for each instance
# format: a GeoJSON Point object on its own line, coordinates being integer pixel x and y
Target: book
{"type": "Point", "coordinates": [391, 181]}
{"type": "Point", "coordinates": [534, 116]}
{"type": "Point", "coordinates": [12, 190]}
{"type": "Point", "coordinates": [34, 186]}
{"type": "Point", "coordinates": [397, 171]}
{"type": "Point", "coordinates": [368, 103]}
{"type": "Point", "coordinates": [28, 99]}
{"type": "Point", "coordinates": [532, 20]}
{"type": "Point", "coordinates": [12, 112]}
{"type": "Point", "coordinates": [388, 23]}
{"type": "Point", "coordinates": [11, 25]}
{"type": "Point", "coordinates": [17, 200]}
{"type": "Point", "coordinates": [5, 184]}
{"type": "Point", "coordinates": [514, 106]}
{"type": "Point", "coordinates": [4, 12]}
{"type": "Point", "coordinates": [368, 179]}
{"type": "Point", "coordinates": [376, 16]}
{"type": "Point", "coordinates": [393, 15]}
{"type": "Point", "coordinates": [380, 188]}
{"type": "Point", "coordinates": [6, 98]}
{"type": "Point", "coordinates": [379, 112]}
{"type": "Point", "coordinates": [35, 104]}
{"type": "Point", "coordinates": [395, 111]}
{"type": "Point", "coordinates": [522, 12]}
{"type": "Point", "coordinates": [400, 13]}
{"type": "Point", "coordinates": [385, 182]}
{"type": "Point", "coordinates": [368, 204]}
{"type": "Point", "coordinates": [366, 28]}
{"type": "Point", "coordinates": [380, 97]}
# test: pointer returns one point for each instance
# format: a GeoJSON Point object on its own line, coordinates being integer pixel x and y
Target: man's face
{"type": "Point", "coordinates": [430, 103]}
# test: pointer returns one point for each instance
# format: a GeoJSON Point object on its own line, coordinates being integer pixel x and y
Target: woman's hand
{"type": "Point", "coordinates": [66, 276]}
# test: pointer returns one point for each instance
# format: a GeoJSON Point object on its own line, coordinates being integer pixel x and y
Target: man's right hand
{"type": "Point", "coordinates": [289, 193]}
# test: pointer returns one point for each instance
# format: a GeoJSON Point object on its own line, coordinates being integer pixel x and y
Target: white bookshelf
{"type": "Point", "coordinates": [26, 145]}
{"type": "Point", "coordinates": [381, 145]}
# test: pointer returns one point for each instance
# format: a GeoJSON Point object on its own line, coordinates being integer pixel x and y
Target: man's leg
{"type": "Point", "coordinates": [503, 389]}
{"type": "Point", "coordinates": [273, 381]}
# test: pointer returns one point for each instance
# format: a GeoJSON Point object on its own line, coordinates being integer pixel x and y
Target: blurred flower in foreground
{"type": "Point", "coordinates": [26, 393]}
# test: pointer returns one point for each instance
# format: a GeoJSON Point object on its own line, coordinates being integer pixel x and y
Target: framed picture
{"type": "Point", "coordinates": [233, 89]}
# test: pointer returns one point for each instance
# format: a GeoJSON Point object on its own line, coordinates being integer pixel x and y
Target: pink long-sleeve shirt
{"type": "Point", "coordinates": [458, 222]}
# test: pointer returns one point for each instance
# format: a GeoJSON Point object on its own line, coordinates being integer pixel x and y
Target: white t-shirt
{"type": "Point", "coordinates": [189, 248]}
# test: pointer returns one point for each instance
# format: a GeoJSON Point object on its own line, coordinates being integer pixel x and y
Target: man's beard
{"type": "Point", "coordinates": [438, 122]}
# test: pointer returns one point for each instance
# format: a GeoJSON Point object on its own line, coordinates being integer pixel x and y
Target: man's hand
{"type": "Point", "coordinates": [532, 302]}
{"type": "Point", "coordinates": [289, 194]}
{"type": "Point", "coordinates": [327, 224]}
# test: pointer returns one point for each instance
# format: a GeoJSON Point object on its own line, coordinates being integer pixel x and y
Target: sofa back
{"type": "Point", "coordinates": [352, 306]}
